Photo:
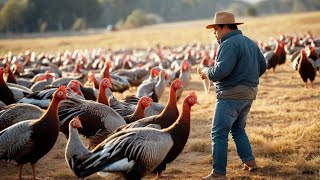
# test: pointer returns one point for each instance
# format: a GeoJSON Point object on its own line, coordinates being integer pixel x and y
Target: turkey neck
{"type": "Point", "coordinates": [102, 98]}
{"type": "Point", "coordinates": [278, 49]}
{"type": "Point", "coordinates": [179, 133]}
{"type": "Point", "coordinates": [313, 55]}
{"type": "Point", "coordinates": [74, 141]}
{"type": "Point", "coordinates": [304, 59]}
{"type": "Point", "coordinates": [48, 124]}
{"type": "Point", "coordinates": [105, 72]}
{"type": "Point", "coordinates": [181, 126]}
{"type": "Point", "coordinates": [52, 111]}
{"type": "Point", "coordinates": [6, 94]}
{"type": "Point", "coordinates": [11, 78]}
{"type": "Point", "coordinates": [138, 113]}
{"type": "Point", "coordinates": [172, 101]}
{"type": "Point", "coordinates": [96, 83]}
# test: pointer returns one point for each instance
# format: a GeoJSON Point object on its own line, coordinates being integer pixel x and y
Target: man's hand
{"type": "Point", "coordinates": [202, 72]}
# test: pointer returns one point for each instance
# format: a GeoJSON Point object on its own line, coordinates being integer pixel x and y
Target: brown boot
{"type": "Point", "coordinates": [215, 176]}
{"type": "Point", "coordinates": [250, 166]}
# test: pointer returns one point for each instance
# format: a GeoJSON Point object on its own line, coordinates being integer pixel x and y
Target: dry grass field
{"type": "Point", "coordinates": [283, 125]}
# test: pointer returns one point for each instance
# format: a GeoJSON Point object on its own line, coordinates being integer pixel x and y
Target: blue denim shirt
{"type": "Point", "coordinates": [239, 62]}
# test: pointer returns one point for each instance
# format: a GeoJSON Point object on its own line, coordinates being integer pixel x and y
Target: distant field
{"type": "Point", "coordinates": [283, 125]}
{"type": "Point", "coordinates": [259, 28]}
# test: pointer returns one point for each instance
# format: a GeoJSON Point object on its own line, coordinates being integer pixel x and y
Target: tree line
{"type": "Point", "coordinates": [40, 16]}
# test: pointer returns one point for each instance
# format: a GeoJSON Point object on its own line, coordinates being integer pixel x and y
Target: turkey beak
{"type": "Point", "coordinates": [68, 89]}
{"type": "Point", "coordinates": [198, 102]}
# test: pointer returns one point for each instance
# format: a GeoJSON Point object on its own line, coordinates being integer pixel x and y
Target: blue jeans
{"type": "Point", "coordinates": [230, 116]}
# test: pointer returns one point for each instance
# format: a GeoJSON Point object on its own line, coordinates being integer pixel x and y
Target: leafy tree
{"type": "Point", "coordinates": [79, 24]}
{"type": "Point", "coordinates": [61, 14]}
{"type": "Point", "coordinates": [138, 18]}
{"type": "Point", "coordinates": [135, 19]}
{"type": "Point", "coordinates": [12, 16]}
{"type": "Point", "coordinates": [52, 15]}
{"type": "Point", "coordinates": [298, 6]}
{"type": "Point", "coordinates": [251, 11]}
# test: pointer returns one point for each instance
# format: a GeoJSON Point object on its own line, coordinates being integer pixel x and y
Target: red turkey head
{"type": "Point", "coordinates": [313, 54]}
{"type": "Point", "coordinates": [166, 75]}
{"type": "Point", "coordinates": [192, 99]}
{"type": "Point", "coordinates": [111, 57]}
{"type": "Point", "coordinates": [77, 68]}
{"type": "Point", "coordinates": [184, 65]}
{"type": "Point", "coordinates": [108, 64]}
{"type": "Point", "coordinates": [74, 87]}
{"type": "Point", "coordinates": [145, 101]}
{"type": "Point", "coordinates": [61, 93]}
{"type": "Point", "coordinates": [76, 123]}
{"type": "Point", "coordinates": [105, 83]}
{"type": "Point", "coordinates": [303, 56]}
{"type": "Point", "coordinates": [76, 82]}
{"type": "Point", "coordinates": [91, 77]}
{"type": "Point", "coordinates": [177, 84]}
{"type": "Point", "coordinates": [154, 72]}
{"type": "Point", "coordinates": [40, 78]}
{"type": "Point", "coordinates": [48, 76]}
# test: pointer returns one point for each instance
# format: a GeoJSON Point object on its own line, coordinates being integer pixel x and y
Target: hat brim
{"type": "Point", "coordinates": [211, 26]}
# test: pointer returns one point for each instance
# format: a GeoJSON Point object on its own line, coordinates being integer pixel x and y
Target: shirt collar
{"type": "Point", "coordinates": [229, 34]}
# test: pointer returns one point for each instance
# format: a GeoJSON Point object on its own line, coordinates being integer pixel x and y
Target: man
{"type": "Point", "coordinates": [238, 66]}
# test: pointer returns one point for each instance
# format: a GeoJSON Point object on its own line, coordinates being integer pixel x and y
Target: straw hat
{"type": "Point", "coordinates": [223, 18]}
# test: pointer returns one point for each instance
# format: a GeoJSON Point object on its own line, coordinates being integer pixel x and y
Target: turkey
{"type": "Point", "coordinates": [12, 79]}
{"type": "Point", "coordinates": [17, 112]}
{"type": "Point", "coordinates": [154, 89]}
{"type": "Point", "coordinates": [41, 84]}
{"type": "Point", "coordinates": [166, 117]}
{"type": "Point", "coordinates": [98, 120]}
{"type": "Point", "coordinates": [75, 151]}
{"type": "Point", "coordinates": [129, 105]}
{"type": "Point", "coordinates": [7, 96]}
{"type": "Point", "coordinates": [29, 140]}
{"type": "Point", "coordinates": [102, 97]}
{"type": "Point", "coordinates": [306, 69]}
{"type": "Point", "coordinates": [143, 103]}
{"type": "Point", "coordinates": [313, 56]}
{"type": "Point", "coordinates": [19, 91]}
{"type": "Point", "coordinates": [154, 73]}
{"type": "Point", "coordinates": [275, 57]}
{"type": "Point", "coordinates": [65, 80]}
{"type": "Point", "coordinates": [183, 134]}
{"type": "Point", "coordinates": [132, 152]}
{"type": "Point", "coordinates": [43, 98]}
{"type": "Point", "coordinates": [184, 76]}
{"type": "Point", "coordinates": [135, 75]}
{"type": "Point", "coordinates": [119, 83]}
{"type": "Point", "coordinates": [207, 61]}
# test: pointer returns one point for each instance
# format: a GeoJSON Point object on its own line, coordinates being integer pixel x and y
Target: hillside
{"type": "Point", "coordinates": [259, 28]}
{"type": "Point", "coordinates": [60, 15]}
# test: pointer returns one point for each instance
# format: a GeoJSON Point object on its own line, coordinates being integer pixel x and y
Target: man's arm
{"type": "Point", "coordinates": [262, 63]}
{"type": "Point", "coordinates": [225, 63]}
